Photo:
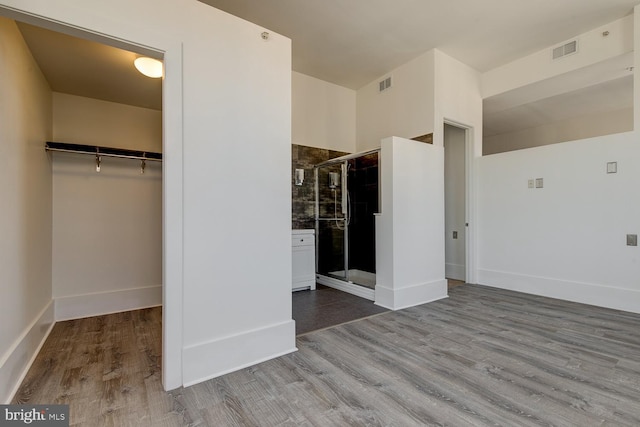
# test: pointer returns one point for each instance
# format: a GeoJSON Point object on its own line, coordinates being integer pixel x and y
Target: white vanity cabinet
{"type": "Point", "coordinates": [303, 250]}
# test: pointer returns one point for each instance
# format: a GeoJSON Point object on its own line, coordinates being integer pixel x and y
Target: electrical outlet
{"type": "Point", "coordinates": [632, 240]}
{"type": "Point", "coordinates": [531, 183]}
{"type": "Point", "coordinates": [539, 182]}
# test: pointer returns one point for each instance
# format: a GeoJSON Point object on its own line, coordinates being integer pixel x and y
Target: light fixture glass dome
{"type": "Point", "coordinates": [149, 67]}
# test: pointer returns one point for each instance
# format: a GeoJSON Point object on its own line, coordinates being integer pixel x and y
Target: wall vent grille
{"type": "Point", "coordinates": [384, 84]}
{"type": "Point", "coordinates": [566, 49]}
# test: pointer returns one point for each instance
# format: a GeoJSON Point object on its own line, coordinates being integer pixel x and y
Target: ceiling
{"type": "Point", "coordinates": [353, 42]}
{"type": "Point", "coordinates": [94, 70]}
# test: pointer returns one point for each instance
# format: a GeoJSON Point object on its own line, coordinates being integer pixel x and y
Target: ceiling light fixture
{"type": "Point", "coordinates": [149, 67]}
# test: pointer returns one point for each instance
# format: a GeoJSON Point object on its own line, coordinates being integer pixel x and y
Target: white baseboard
{"type": "Point", "coordinates": [455, 271]}
{"type": "Point", "coordinates": [97, 304]}
{"type": "Point", "coordinates": [409, 296]}
{"type": "Point", "coordinates": [350, 288]}
{"type": "Point", "coordinates": [212, 359]}
{"type": "Point", "coordinates": [585, 293]}
{"type": "Point", "coordinates": [17, 360]}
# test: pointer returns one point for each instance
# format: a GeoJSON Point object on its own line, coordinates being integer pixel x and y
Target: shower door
{"type": "Point", "coordinates": [362, 185]}
{"type": "Point", "coordinates": [331, 220]}
{"type": "Point", "coordinates": [346, 200]}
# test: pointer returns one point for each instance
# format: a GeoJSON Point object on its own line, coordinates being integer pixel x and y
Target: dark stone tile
{"type": "Point", "coordinates": [303, 196]}
{"type": "Point", "coordinates": [325, 307]}
{"type": "Point", "coordinates": [332, 154]}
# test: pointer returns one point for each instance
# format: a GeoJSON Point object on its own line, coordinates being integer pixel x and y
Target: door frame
{"type": "Point", "coordinates": [171, 50]}
{"type": "Point", "coordinates": [470, 206]}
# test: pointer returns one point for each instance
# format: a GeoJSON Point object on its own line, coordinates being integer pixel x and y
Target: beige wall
{"type": "Point", "coordinates": [25, 210]}
{"type": "Point", "coordinates": [323, 114]}
{"type": "Point", "coordinates": [107, 226]}
{"type": "Point", "coordinates": [588, 126]}
{"type": "Point", "coordinates": [81, 120]}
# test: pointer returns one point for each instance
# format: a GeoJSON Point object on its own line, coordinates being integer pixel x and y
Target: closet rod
{"type": "Point", "coordinates": [94, 150]}
{"type": "Point", "coordinates": [100, 153]}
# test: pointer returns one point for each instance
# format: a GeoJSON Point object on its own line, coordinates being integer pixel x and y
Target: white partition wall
{"type": "Point", "coordinates": [566, 239]}
{"type": "Point", "coordinates": [409, 228]}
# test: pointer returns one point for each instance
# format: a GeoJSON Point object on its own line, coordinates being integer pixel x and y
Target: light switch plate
{"type": "Point", "coordinates": [612, 167]}
{"type": "Point", "coordinates": [632, 240]}
{"type": "Point", "coordinates": [455, 234]}
{"type": "Point", "coordinates": [539, 182]}
{"type": "Point", "coordinates": [531, 183]}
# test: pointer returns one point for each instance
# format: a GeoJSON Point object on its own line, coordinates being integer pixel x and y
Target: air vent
{"type": "Point", "coordinates": [384, 84]}
{"type": "Point", "coordinates": [566, 49]}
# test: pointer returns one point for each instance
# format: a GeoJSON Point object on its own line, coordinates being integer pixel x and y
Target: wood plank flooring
{"type": "Point", "coordinates": [484, 356]}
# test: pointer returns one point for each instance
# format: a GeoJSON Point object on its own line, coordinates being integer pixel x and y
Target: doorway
{"type": "Point", "coordinates": [455, 179]}
{"type": "Point", "coordinates": [97, 204]}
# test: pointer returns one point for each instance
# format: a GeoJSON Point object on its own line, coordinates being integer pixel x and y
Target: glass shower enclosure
{"type": "Point", "coordinates": [347, 196]}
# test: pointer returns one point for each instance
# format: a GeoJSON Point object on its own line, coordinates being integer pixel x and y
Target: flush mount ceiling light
{"type": "Point", "coordinates": [149, 67]}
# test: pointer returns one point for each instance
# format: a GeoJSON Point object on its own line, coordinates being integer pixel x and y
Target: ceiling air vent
{"type": "Point", "coordinates": [384, 84]}
{"type": "Point", "coordinates": [566, 49]}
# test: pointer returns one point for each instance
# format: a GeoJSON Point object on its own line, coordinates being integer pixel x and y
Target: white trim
{"type": "Point", "coordinates": [228, 354]}
{"type": "Point", "coordinates": [14, 365]}
{"type": "Point", "coordinates": [172, 218]}
{"type": "Point", "coordinates": [410, 296]}
{"type": "Point", "coordinates": [97, 304]}
{"type": "Point", "coordinates": [585, 293]}
{"type": "Point", "coordinates": [471, 259]}
{"type": "Point", "coordinates": [347, 287]}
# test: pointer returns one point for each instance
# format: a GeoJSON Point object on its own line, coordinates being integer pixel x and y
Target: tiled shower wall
{"type": "Point", "coordinates": [302, 196]}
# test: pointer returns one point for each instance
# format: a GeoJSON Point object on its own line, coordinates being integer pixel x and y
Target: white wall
{"type": "Point", "coordinates": [567, 239]}
{"type": "Point", "coordinates": [405, 110]}
{"type": "Point", "coordinates": [454, 202]}
{"type": "Point", "coordinates": [457, 99]}
{"type": "Point", "coordinates": [107, 226]}
{"type": "Point", "coordinates": [409, 229]}
{"type": "Point", "coordinates": [237, 196]}
{"type": "Point", "coordinates": [323, 114]}
{"type": "Point", "coordinates": [26, 310]}
{"type": "Point", "coordinates": [567, 130]}
{"type": "Point", "coordinates": [636, 63]}
{"type": "Point", "coordinates": [227, 142]}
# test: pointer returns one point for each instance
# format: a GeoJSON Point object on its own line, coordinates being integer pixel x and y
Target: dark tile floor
{"type": "Point", "coordinates": [324, 307]}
